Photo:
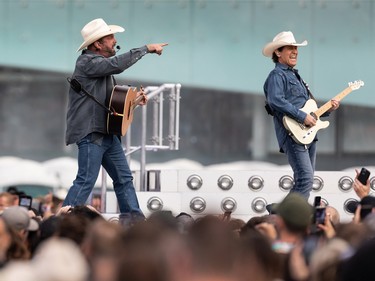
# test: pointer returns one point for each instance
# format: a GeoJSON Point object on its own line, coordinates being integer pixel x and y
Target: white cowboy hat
{"type": "Point", "coordinates": [95, 30]}
{"type": "Point", "coordinates": [285, 38]}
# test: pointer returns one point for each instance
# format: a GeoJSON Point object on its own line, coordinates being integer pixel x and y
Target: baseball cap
{"type": "Point", "coordinates": [18, 218]}
{"type": "Point", "coordinates": [294, 210]}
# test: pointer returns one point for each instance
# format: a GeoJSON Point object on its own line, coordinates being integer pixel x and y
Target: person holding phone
{"type": "Point", "coordinates": [361, 185]}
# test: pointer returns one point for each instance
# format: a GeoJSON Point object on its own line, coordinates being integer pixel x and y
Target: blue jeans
{"type": "Point", "coordinates": [302, 160]}
{"type": "Point", "coordinates": [106, 150]}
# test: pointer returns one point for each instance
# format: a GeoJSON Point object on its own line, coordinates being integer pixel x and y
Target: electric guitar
{"type": "Point", "coordinates": [122, 103]}
{"type": "Point", "coordinates": [303, 134]}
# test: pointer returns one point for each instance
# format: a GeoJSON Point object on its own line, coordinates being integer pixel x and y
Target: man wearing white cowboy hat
{"type": "Point", "coordinates": [286, 94]}
{"type": "Point", "coordinates": [87, 119]}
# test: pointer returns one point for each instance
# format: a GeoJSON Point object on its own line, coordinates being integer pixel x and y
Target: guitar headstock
{"type": "Point", "coordinates": [356, 84]}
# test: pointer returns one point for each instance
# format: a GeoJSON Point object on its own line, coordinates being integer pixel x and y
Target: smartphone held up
{"type": "Point", "coordinates": [363, 176]}
{"type": "Point", "coordinates": [25, 201]}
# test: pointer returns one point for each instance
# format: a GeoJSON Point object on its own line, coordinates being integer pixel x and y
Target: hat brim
{"type": "Point", "coordinates": [271, 208]}
{"type": "Point", "coordinates": [272, 46]}
{"type": "Point", "coordinates": [112, 30]}
{"type": "Point", "coordinates": [33, 225]}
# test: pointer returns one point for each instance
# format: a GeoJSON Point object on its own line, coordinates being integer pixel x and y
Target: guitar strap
{"type": "Point", "coordinates": [114, 80]}
{"type": "Point", "coordinates": [304, 83]}
{"type": "Point", "coordinates": [111, 82]}
{"type": "Point", "coordinates": [295, 71]}
{"type": "Point", "coordinates": [77, 87]}
{"type": "Point", "coordinates": [308, 89]}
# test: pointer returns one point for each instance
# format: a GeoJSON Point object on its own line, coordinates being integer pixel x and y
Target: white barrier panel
{"type": "Point", "coordinates": [176, 195]}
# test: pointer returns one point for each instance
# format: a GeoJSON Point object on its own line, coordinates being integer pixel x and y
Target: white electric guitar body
{"type": "Point", "coordinates": [303, 134]}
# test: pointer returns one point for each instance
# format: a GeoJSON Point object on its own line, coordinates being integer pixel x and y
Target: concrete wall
{"type": "Point", "coordinates": [215, 126]}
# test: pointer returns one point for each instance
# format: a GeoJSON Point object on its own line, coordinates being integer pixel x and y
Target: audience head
{"type": "Point", "coordinates": [360, 265]}
{"type": "Point", "coordinates": [295, 212]}
{"type": "Point", "coordinates": [212, 243]}
{"type": "Point", "coordinates": [59, 259]}
{"type": "Point", "coordinates": [251, 224]}
{"type": "Point", "coordinates": [5, 240]}
{"type": "Point", "coordinates": [334, 215]}
{"type": "Point", "coordinates": [86, 211]}
{"type": "Point", "coordinates": [143, 257]}
{"type": "Point", "coordinates": [16, 193]}
{"type": "Point", "coordinates": [255, 258]}
{"type": "Point", "coordinates": [184, 221]}
{"type": "Point", "coordinates": [18, 218]}
{"type": "Point", "coordinates": [164, 218]}
{"type": "Point", "coordinates": [6, 200]}
{"type": "Point", "coordinates": [353, 233]}
{"type": "Point", "coordinates": [13, 190]}
{"type": "Point", "coordinates": [48, 227]}
{"type": "Point", "coordinates": [326, 259]}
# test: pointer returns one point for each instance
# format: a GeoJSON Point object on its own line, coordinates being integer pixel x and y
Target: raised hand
{"type": "Point", "coordinates": [156, 48]}
{"type": "Point", "coordinates": [141, 93]}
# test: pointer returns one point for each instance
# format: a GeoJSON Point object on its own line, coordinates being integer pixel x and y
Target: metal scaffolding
{"type": "Point", "coordinates": [156, 97]}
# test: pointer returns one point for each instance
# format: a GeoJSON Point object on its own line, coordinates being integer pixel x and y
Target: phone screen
{"type": "Point", "coordinates": [319, 215]}
{"type": "Point", "coordinates": [317, 201]}
{"type": "Point", "coordinates": [25, 201]}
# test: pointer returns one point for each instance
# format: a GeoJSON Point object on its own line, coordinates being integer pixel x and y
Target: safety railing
{"type": "Point", "coordinates": [161, 139]}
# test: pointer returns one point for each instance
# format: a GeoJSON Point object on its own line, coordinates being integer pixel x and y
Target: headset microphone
{"type": "Point", "coordinates": [118, 48]}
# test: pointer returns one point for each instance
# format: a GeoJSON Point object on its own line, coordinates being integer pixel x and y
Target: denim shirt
{"type": "Point", "coordinates": [94, 72]}
{"type": "Point", "coordinates": [285, 94]}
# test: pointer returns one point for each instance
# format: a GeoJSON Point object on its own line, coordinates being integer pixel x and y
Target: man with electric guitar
{"type": "Point", "coordinates": [99, 112]}
{"type": "Point", "coordinates": [296, 126]}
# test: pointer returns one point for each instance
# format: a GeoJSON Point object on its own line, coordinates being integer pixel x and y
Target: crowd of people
{"type": "Point", "coordinates": [79, 244]}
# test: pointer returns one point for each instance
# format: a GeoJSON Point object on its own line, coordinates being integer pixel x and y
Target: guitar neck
{"type": "Point", "coordinates": [325, 107]}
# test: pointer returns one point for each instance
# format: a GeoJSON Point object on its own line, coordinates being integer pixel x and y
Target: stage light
{"type": "Point", "coordinates": [318, 184]}
{"type": "Point", "coordinates": [228, 204]}
{"type": "Point", "coordinates": [194, 182]}
{"type": "Point", "coordinates": [286, 182]}
{"type": "Point", "coordinates": [372, 183]}
{"type": "Point", "coordinates": [225, 182]}
{"type": "Point", "coordinates": [154, 204]}
{"type": "Point", "coordinates": [197, 204]}
{"type": "Point", "coordinates": [114, 219]}
{"type": "Point", "coordinates": [345, 183]}
{"type": "Point", "coordinates": [349, 203]}
{"type": "Point", "coordinates": [258, 205]}
{"type": "Point", "coordinates": [255, 183]}
{"type": "Point", "coordinates": [324, 202]}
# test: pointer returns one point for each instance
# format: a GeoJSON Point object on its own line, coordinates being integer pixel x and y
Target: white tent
{"type": "Point", "coordinates": [26, 174]}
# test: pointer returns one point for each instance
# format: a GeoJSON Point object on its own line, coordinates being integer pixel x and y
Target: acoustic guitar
{"type": "Point", "coordinates": [122, 103]}
{"type": "Point", "coordinates": [303, 134]}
